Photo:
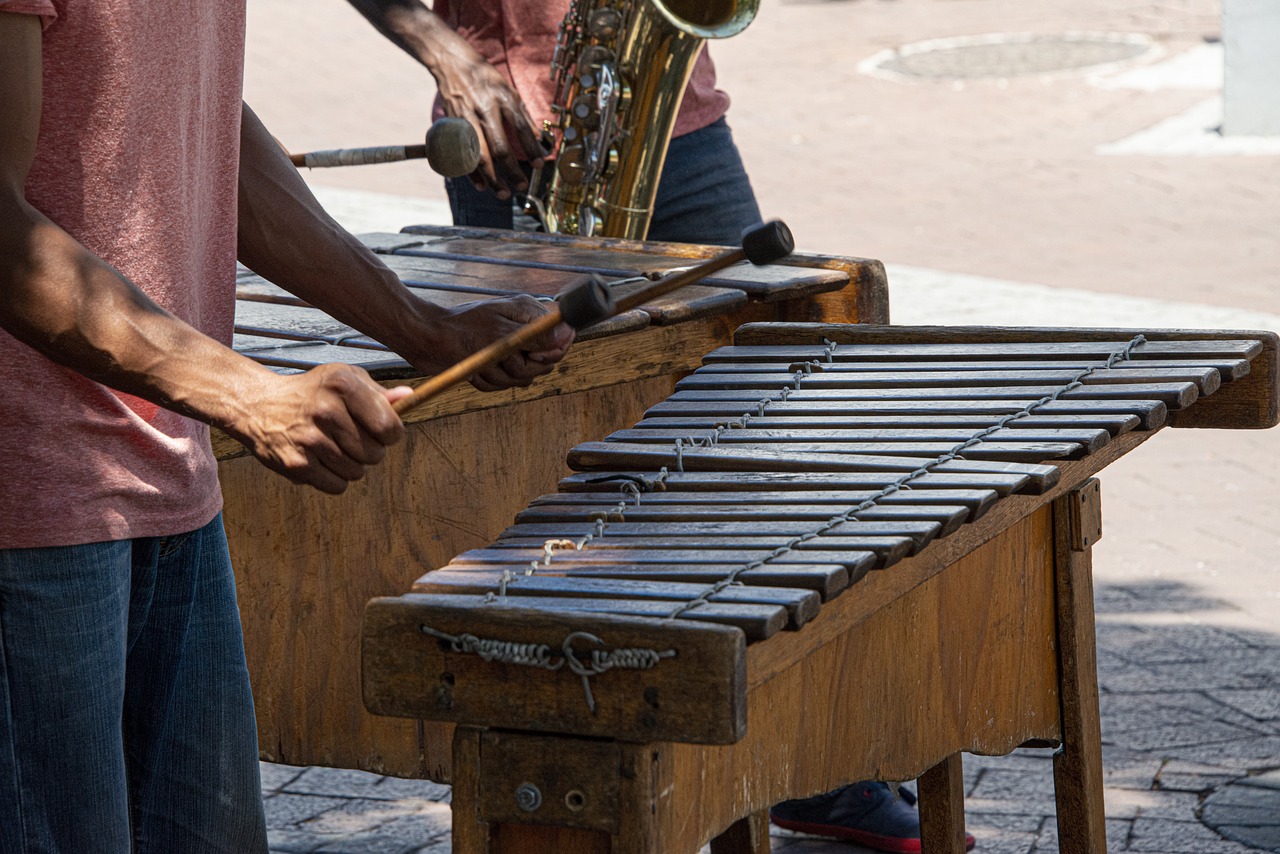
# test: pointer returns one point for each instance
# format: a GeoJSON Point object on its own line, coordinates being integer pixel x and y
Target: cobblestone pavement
{"type": "Point", "coordinates": [992, 201]}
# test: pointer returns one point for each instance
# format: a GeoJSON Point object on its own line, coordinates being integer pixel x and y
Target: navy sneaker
{"type": "Point", "coordinates": [868, 813]}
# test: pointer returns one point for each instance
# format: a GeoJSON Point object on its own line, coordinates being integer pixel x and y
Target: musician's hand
{"type": "Point", "coordinates": [472, 326]}
{"type": "Point", "coordinates": [323, 428]}
{"type": "Point", "coordinates": [472, 89]}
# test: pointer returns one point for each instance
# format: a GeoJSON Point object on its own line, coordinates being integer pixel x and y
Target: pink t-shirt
{"type": "Point", "coordinates": [518, 37]}
{"type": "Point", "coordinates": [137, 158]}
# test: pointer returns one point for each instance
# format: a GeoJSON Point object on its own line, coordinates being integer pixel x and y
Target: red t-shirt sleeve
{"type": "Point", "coordinates": [43, 8]}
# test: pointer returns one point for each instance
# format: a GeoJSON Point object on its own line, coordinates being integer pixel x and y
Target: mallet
{"type": "Point", "coordinates": [452, 149]}
{"type": "Point", "coordinates": [591, 301]}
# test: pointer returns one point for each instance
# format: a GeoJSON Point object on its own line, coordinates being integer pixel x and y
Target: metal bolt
{"type": "Point", "coordinates": [528, 797]}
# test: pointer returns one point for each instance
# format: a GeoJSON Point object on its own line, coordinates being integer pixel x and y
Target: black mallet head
{"type": "Point", "coordinates": [586, 302]}
{"type": "Point", "coordinates": [453, 148]}
{"type": "Point", "coordinates": [767, 242]}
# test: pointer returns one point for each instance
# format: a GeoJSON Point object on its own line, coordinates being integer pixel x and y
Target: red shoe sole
{"type": "Point", "coordinates": [891, 844]}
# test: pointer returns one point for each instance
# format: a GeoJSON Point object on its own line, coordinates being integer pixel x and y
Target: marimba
{"type": "Point", "coordinates": [834, 553]}
{"type": "Point", "coordinates": [307, 563]}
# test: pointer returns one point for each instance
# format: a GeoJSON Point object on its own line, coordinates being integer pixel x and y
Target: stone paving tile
{"type": "Point", "coordinates": [293, 841]}
{"type": "Point", "coordinates": [1259, 704]}
{"type": "Point", "coordinates": [1269, 779]}
{"type": "Point", "coordinates": [275, 777]}
{"type": "Point", "coordinates": [1004, 843]}
{"type": "Point", "coordinates": [351, 811]}
{"type": "Point", "coordinates": [427, 819]}
{"type": "Point", "coordinates": [997, 787]}
{"type": "Point", "coordinates": [1118, 834]}
{"type": "Point", "coordinates": [1178, 806]}
{"type": "Point", "coordinates": [395, 787]}
{"type": "Point", "coordinates": [326, 781]}
{"type": "Point", "coordinates": [1160, 836]}
{"type": "Point", "coordinates": [287, 812]}
{"type": "Point", "coordinates": [367, 843]}
{"type": "Point", "coordinates": [443, 846]}
{"type": "Point", "coordinates": [1177, 775]}
{"type": "Point", "coordinates": [361, 815]}
{"type": "Point", "coordinates": [1242, 755]}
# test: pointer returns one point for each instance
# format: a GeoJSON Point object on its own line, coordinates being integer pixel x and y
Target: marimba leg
{"type": "Point", "coordinates": [748, 835]}
{"type": "Point", "coordinates": [516, 793]}
{"type": "Point", "coordinates": [941, 791]}
{"type": "Point", "coordinates": [1077, 768]}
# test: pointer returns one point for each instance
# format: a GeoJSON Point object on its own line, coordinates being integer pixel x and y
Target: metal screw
{"type": "Point", "coordinates": [528, 797]}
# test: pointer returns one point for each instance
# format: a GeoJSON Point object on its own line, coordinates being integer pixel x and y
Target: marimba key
{"type": "Point", "coordinates": [610, 455]}
{"type": "Point", "coordinates": [757, 622]}
{"type": "Point", "coordinates": [731, 403]}
{"type": "Point", "coordinates": [1206, 380]}
{"type": "Point", "coordinates": [959, 353]}
{"type": "Point", "coordinates": [846, 551]}
{"type": "Point", "coordinates": [826, 580]}
{"type": "Point", "coordinates": [937, 504]}
{"type": "Point", "coordinates": [1175, 395]}
{"type": "Point", "coordinates": [883, 424]}
{"type": "Point", "coordinates": [800, 605]}
{"type": "Point", "coordinates": [982, 451]}
{"type": "Point", "coordinates": [949, 518]}
{"type": "Point", "coordinates": [883, 538]}
{"type": "Point", "coordinates": [1228, 369]}
{"type": "Point", "coordinates": [855, 555]}
{"type": "Point", "coordinates": [1091, 441]}
{"type": "Point", "coordinates": [1001, 484]}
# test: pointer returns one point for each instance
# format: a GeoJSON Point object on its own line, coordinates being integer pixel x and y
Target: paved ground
{"type": "Point", "coordinates": [999, 201]}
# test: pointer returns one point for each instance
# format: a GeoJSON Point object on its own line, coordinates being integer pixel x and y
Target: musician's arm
{"type": "Point", "coordinates": [75, 309]}
{"type": "Point", "coordinates": [470, 88]}
{"type": "Point", "coordinates": [286, 237]}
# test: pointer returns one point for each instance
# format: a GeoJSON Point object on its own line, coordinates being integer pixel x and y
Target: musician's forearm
{"type": "Point", "coordinates": [286, 237]}
{"type": "Point", "coordinates": [419, 32]}
{"type": "Point", "coordinates": [78, 311]}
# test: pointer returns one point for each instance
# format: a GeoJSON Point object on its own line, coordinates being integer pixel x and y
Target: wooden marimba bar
{"type": "Point", "coordinates": [712, 576]}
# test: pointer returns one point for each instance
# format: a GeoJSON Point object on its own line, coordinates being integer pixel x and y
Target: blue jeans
{"type": "Point", "coordinates": [126, 722]}
{"type": "Point", "coordinates": [704, 195]}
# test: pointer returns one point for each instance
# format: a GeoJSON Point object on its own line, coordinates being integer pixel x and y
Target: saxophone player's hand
{"type": "Point", "coordinates": [470, 88]}
{"type": "Point", "coordinates": [473, 89]}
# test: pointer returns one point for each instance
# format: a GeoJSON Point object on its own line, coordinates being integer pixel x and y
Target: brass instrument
{"type": "Point", "coordinates": [620, 71]}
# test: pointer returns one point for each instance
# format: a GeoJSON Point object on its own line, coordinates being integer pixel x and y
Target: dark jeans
{"type": "Point", "coordinates": [704, 195]}
{"type": "Point", "coordinates": [126, 722]}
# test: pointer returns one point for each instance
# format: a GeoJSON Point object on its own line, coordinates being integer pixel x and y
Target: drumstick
{"type": "Point", "coordinates": [452, 149]}
{"type": "Point", "coordinates": [591, 301]}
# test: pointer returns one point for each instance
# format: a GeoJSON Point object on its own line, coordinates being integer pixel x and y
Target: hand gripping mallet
{"type": "Point", "coordinates": [591, 301]}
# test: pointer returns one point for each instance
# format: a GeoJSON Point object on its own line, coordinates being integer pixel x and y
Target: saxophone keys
{"type": "Point", "coordinates": [571, 165]}
{"type": "Point", "coordinates": [604, 24]}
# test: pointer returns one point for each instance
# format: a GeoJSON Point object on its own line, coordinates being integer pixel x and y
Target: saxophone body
{"type": "Point", "coordinates": [620, 70]}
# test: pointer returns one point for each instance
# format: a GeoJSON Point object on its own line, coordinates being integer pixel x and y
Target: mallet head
{"type": "Point", "coordinates": [767, 242]}
{"type": "Point", "coordinates": [586, 302]}
{"type": "Point", "coordinates": [453, 148]}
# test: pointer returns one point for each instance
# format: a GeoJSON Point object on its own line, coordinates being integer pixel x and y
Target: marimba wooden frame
{"type": "Point", "coordinates": [983, 642]}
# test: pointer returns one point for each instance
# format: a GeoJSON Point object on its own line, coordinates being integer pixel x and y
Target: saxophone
{"type": "Point", "coordinates": [620, 69]}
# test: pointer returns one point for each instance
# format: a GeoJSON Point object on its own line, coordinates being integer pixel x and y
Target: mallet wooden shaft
{"type": "Point", "coordinates": [357, 156]}
{"type": "Point", "coordinates": [676, 281]}
{"type": "Point", "coordinates": [490, 355]}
